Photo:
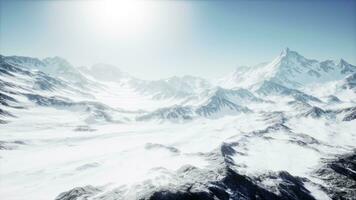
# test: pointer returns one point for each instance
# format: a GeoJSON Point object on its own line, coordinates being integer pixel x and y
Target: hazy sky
{"type": "Point", "coordinates": [155, 39]}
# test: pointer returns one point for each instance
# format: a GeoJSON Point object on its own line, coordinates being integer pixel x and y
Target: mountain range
{"type": "Point", "coordinates": [277, 130]}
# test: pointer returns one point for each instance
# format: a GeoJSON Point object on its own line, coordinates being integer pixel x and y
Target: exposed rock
{"type": "Point", "coordinates": [340, 176]}
{"type": "Point", "coordinates": [11, 145]}
{"type": "Point", "coordinates": [78, 193]}
{"type": "Point", "coordinates": [350, 116]}
{"type": "Point", "coordinates": [314, 112]}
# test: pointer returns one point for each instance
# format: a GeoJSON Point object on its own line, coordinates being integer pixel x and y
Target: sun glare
{"type": "Point", "coordinates": [120, 17]}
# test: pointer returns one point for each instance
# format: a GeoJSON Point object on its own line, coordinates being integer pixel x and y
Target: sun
{"type": "Point", "coordinates": [120, 17]}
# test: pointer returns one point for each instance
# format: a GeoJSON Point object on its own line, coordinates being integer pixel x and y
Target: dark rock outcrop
{"type": "Point", "coordinates": [340, 176]}
{"type": "Point", "coordinates": [78, 193]}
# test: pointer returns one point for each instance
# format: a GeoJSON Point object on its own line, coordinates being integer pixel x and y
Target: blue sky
{"type": "Point", "coordinates": [204, 38]}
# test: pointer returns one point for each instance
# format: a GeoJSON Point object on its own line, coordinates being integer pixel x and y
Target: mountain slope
{"type": "Point", "coordinates": [23, 86]}
{"type": "Point", "coordinates": [272, 88]}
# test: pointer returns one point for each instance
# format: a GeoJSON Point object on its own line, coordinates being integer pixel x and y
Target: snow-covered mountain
{"type": "Point", "coordinates": [173, 87]}
{"type": "Point", "coordinates": [56, 66]}
{"type": "Point", "coordinates": [24, 86]}
{"type": "Point", "coordinates": [279, 130]}
{"type": "Point", "coordinates": [289, 69]}
{"type": "Point", "coordinates": [215, 103]}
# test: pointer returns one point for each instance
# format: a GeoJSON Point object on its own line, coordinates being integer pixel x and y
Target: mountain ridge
{"type": "Point", "coordinates": [289, 69]}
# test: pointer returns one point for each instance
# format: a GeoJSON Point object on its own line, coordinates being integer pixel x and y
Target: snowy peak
{"type": "Point", "coordinates": [218, 106]}
{"type": "Point", "coordinates": [285, 51]}
{"type": "Point", "coordinates": [314, 112]}
{"type": "Point", "coordinates": [290, 54]}
{"type": "Point", "coordinates": [292, 59]}
{"type": "Point", "coordinates": [345, 67]}
{"type": "Point", "coordinates": [289, 69]}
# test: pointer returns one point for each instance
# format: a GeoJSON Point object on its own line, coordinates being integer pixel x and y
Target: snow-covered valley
{"type": "Point", "coordinates": [279, 130]}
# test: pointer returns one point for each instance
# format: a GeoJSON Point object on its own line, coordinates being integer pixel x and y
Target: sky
{"type": "Point", "coordinates": [156, 39]}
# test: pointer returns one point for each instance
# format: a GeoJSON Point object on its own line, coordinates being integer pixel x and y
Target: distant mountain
{"type": "Point", "coordinates": [105, 72]}
{"type": "Point", "coordinates": [218, 106]}
{"type": "Point", "coordinates": [55, 66]}
{"type": "Point", "coordinates": [314, 112]}
{"type": "Point", "coordinates": [218, 102]}
{"type": "Point", "coordinates": [174, 113]}
{"type": "Point", "coordinates": [173, 87]}
{"type": "Point", "coordinates": [291, 70]}
{"type": "Point", "coordinates": [238, 95]}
